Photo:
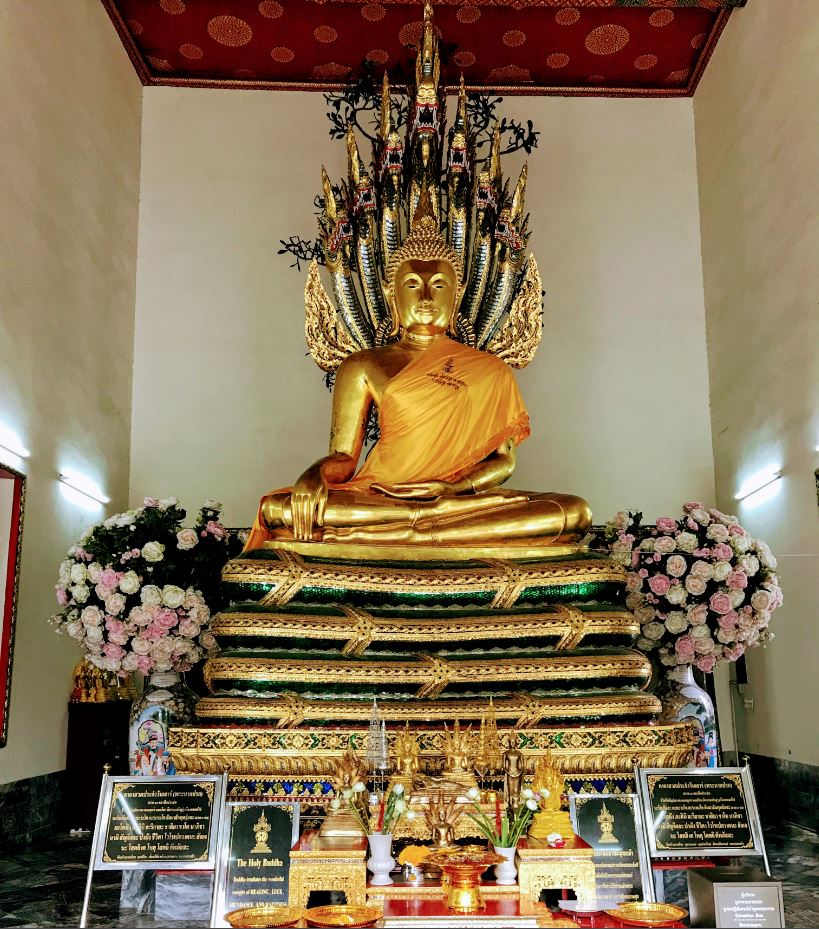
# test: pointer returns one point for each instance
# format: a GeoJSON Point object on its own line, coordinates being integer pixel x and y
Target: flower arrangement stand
{"type": "Point", "coordinates": [324, 864]}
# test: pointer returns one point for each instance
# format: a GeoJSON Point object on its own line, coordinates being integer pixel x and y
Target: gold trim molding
{"type": "Point", "coordinates": [586, 750]}
{"type": "Point", "coordinates": [290, 573]}
{"type": "Point", "coordinates": [360, 628]}
{"type": "Point", "coordinates": [521, 709]}
{"type": "Point", "coordinates": [430, 674]}
{"type": "Point", "coordinates": [337, 551]}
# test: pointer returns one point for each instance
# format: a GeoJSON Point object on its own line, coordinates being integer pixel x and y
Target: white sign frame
{"type": "Point", "coordinates": [99, 837]}
{"type": "Point", "coordinates": [641, 776]}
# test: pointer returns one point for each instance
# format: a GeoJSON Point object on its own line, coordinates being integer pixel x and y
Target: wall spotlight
{"type": "Point", "coordinates": [84, 486]}
{"type": "Point", "coordinates": [10, 445]}
{"type": "Point", "coordinates": [756, 482]}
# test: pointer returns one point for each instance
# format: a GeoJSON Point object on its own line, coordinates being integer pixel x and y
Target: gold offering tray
{"type": "Point", "coordinates": [265, 916]}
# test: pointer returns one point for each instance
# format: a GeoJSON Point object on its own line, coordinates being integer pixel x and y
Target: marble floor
{"type": "Point", "coordinates": [43, 886]}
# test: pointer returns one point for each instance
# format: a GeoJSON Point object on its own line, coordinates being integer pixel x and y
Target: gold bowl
{"type": "Point", "coordinates": [462, 870]}
{"type": "Point", "coordinates": [353, 917]}
{"type": "Point", "coordinates": [265, 916]}
{"type": "Point", "coordinates": [648, 914]}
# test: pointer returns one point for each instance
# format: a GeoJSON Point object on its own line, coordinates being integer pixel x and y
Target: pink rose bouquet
{"type": "Point", "coordinates": [137, 591]}
{"type": "Point", "coordinates": [701, 587]}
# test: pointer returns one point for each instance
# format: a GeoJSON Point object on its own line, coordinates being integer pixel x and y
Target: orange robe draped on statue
{"type": "Point", "coordinates": [442, 414]}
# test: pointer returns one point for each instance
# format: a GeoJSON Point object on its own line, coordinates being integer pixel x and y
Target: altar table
{"type": "Point", "coordinates": [324, 864]}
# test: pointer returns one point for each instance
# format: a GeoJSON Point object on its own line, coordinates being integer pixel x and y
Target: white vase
{"type": "Point", "coordinates": [506, 872]}
{"type": "Point", "coordinates": [685, 701]}
{"type": "Point", "coordinates": [166, 701]}
{"type": "Point", "coordinates": [380, 861]}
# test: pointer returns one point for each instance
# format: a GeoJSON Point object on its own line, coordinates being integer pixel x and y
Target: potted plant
{"type": "Point", "coordinates": [391, 808]}
{"type": "Point", "coordinates": [505, 830]}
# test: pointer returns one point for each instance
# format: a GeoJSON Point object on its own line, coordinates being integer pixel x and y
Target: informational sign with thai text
{"type": "Point", "coordinates": [699, 812]}
{"type": "Point", "coordinates": [159, 822]}
{"type": "Point", "coordinates": [611, 825]}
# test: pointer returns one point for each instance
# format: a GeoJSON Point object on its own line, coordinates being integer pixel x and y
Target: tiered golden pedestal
{"type": "Point", "coordinates": [310, 639]}
{"type": "Point", "coordinates": [543, 868]}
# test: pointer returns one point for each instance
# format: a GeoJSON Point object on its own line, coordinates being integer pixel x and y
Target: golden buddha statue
{"type": "Point", "coordinates": [457, 776]}
{"type": "Point", "coordinates": [429, 346]}
{"type": "Point", "coordinates": [341, 822]}
{"type": "Point", "coordinates": [450, 417]}
{"type": "Point", "coordinates": [442, 815]}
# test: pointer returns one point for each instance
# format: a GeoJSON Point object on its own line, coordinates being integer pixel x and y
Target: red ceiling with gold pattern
{"type": "Point", "coordinates": [605, 47]}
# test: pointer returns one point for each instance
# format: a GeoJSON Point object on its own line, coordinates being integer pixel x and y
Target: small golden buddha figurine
{"type": "Point", "coordinates": [262, 832]}
{"type": "Point", "coordinates": [606, 821]}
{"type": "Point", "coordinates": [457, 776]}
{"type": "Point", "coordinates": [442, 815]}
{"type": "Point", "coordinates": [407, 762]}
{"type": "Point", "coordinates": [550, 784]}
{"type": "Point", "coordinates": [457, 749]}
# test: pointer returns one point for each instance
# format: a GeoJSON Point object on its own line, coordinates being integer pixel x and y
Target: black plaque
{"type": "Point", "coordinates": [700, 811]}
{"type": "Point", "coordinates": [164, 820]}
{"type": "Point", "coordinates": [611, 825]}
{"type": "Point", "coordinates": [259, 863]}
{"type": "Point", "coordinates": [254, 856]}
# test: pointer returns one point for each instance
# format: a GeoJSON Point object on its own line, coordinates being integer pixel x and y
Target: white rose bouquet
{"type": "Point", "coordinates": [701, 587]}
{"type": "Point", "coordinates": [137, 591]}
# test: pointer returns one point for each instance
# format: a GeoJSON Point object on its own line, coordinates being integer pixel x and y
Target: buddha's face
{"type": "Point", "coordinates": [425, 295]}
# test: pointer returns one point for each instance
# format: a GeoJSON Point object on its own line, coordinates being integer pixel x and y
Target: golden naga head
{"type": "Point", "coordinates": [427, 78]}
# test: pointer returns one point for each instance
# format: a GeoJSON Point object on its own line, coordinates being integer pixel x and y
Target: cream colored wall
{"type": "Point", "coordinates": [756, 113]}
{"type": "Point", "coordinates": [69, 191]}
{"type": "Point", "coordinates": [227, 405]}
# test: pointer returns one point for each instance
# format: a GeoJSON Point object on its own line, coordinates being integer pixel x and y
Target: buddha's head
{"type": "Point", "coordinates": [424, 286]}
